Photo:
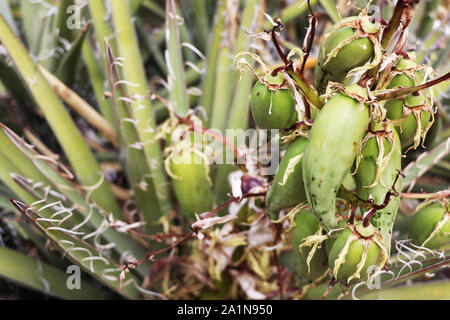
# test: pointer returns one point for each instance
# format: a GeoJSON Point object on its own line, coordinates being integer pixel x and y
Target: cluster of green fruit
{"type": "Point", "coordinates": [351, 134]}
{"type": "Point", "coordinates": [353, 137]}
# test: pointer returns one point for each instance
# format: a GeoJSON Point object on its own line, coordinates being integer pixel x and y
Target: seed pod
{"type": "Point", "coordinates": [310, 262]}
{"type": "Point", "coordinates": [430, 227]}
{"type": "Point", "coordinates": [412, 114]}
{"type": "Point", "coordinates": [190, 178]}
{"type": "Point", "coordinates": [377, 170]}
{"type": "Point", "coordinates": [331, 149]}
{"type": "Point", "coordinates": [348, 47]}
{"type": "Point", "coordinates": [354, 251]}
{"type": "Point", "coordinates": [272, 103]}
{"type": "Point", "coordinates": [287, 189]}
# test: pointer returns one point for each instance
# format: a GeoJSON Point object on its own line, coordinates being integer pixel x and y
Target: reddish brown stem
{"type": "Point", "coordinates": [409, 90]}
{"type": "Point", "coordinates": [277, 46]}
{"type": "Point", "coordinates": [436, 195]}
{"type": "Point", "coordinates": [309, 38]}
{"type": "Point", "coordinates": [290, 69]}
{"type": "Point", "coordinates": [230, 201]}
{"type": "Point", "coordinates": [395, 21]}
{"type": "Point", "coordinates": [387, 198]}
{"type": "Point", "coordinates": [280, 68]}
{"type": "Point", "coordinates": [352, 214]}
{"type": "Point", "coordinates": [150, 255]}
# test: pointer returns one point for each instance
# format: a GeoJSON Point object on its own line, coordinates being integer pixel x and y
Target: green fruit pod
{"type": "Point", "coordinates": [189, 171]}
{"type": "Point", "coordinates": [412, 115]}
{"type": "Point", "coordinates": [331, 150]}
{"type": "Point", "coordinates": [350, 46]}
{"type": "Point", "coordinates": [272, 103]}
{"type": "Point", "coordinates": [311, 263]}
{"type": "Point", "coordinates": [287, 189]}
{"type": "Point", "coordinates": [430, 227]}
{"type": "Point", "coordinates": [357, 252]}
{"type": "Point", "coordinates": [378, 168]}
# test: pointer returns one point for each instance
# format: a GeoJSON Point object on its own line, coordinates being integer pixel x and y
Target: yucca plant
{"type": "Point", "coordinates": [120, 176]}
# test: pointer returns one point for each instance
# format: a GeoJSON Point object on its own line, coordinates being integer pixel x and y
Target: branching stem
{"type": "Point", "coordinates": [310, 94]}
{"type": "Point", "coordinates": [394, 94]}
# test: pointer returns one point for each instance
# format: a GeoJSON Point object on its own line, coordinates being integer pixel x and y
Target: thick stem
{"type": "Point", "coordinates": [298, 78]}
{"type": "Point", "coordinates": [310, 94]}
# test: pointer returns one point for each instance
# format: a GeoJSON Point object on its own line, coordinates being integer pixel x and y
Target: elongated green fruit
{"type": "Point", "coordinates": [272, 105]}
{"type": "Point", "coordinates": [330, 152]}
{"type": "Point", "coordinates": [287, 189]}
{"type": "Point", "coordinates": [366, 176]}
{"type": "Point", "coordinates": [352, 255]}
{"type": "Point", "coordinates": [306, 225]}
{"type": "Point", "coordinates": [430, 227]}
{"type": "Point", "coordinates": [190, 180]}
{"type": "Point", "coordinates": [339, 54]}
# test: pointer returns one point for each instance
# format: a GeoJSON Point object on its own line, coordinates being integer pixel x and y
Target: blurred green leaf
{"type": "Point", "coordinates": [40, 276]}
{"type": "Point", "coordinates": [76, 149]}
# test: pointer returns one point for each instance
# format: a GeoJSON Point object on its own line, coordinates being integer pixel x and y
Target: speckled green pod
{"type": "Point", "coordinates": [353, 257]}
{"type": "Point", "coordinates": [383, 219]}
{"type": "Point", "coordinates": [287, 189]}
{"type": "Point", "coordinates": [395, 109]}
{"type": "Point", "coordinates": [190, 181]}
{"type": "Point", "coordinates": [272, 108]}
{"type": "Point", "coordinates": [331, 149]}
{"type": "Point", "coordinates": [352, 55]}
{"type": "Point", "coordinates": [306, 225]}
{"type": "Point", "coordinates": [432, 220]}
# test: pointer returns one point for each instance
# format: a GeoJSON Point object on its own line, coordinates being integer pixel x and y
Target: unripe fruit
{"type": "Point", "coordinates": [331, 149]}
{"type": "Point", "coordinates": [342, 225]}
{"type": "Point", "coordinates": [342, 50]}
{"type": "Point", "coordinates": [352, 255]}
{"type": "Point", "coordinates": [287, 189]}
{"type": "Point", "coordinates": [405, 112]}
{"type": "Point", "coordinates": [376, 175]}
{"type": "Point", "coordinates": [272, 103]}
{"type": "Point", "coordinates": [430, 227]}
{"type": "Point", "coordinates": [190, 180]}
{"type": "Point", "coordinates": [306, 225]}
